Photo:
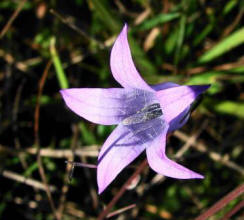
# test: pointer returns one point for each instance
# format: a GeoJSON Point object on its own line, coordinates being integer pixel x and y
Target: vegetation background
{"type": "Point", "coordinates": [49, 45]}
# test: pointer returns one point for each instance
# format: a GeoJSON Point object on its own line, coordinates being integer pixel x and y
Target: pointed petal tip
{"type": "Point", "coordinates": [101, 186]}
{"type": "Point", "coordinates": [121, 63]}
{"type": "Point", "coordinates": [124, 30]}
{"type": "Point", "coordinates": [100, 191]}
{"type": "Point", "coordinates": [205, 87]}
{"type": "Point", "coordinates": [197, 176]}
{"type": "Point", "coordinates": [66, 95]}
{"type": "Point", "coordinates": [200, 88]}
{"type": "Point", "coordinates": [63, 92]}
{"type": "Point", "coordinates": [161, 164]}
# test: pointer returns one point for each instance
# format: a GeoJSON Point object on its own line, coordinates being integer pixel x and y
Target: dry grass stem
{"type": "Point", "coordinates": [12, 18]}
{"type": "Point", "coordinates": [87, 151]}
{"type": "Point", "coordinates": [36, 135]}
{"type": "Point", "coordinates": [213, 155]}
{"type": "Point", "coordinates": [222, 203]}
{"type": "Point", "coordinates": [25, 180]}
{"type": "Point", "coordinates": [119, 211]}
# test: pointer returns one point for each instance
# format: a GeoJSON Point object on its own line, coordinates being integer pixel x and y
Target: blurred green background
{"type": "Point", "coordinates": [49, 45]}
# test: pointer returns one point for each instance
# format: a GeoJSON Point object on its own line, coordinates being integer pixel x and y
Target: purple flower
{"type": "Point", "coordinates": [144, 114]}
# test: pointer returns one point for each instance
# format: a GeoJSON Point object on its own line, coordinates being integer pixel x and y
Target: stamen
{"type": "Point", "coordinates": [145, 114]}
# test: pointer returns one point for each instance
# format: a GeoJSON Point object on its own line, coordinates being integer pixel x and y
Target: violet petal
{"type": "Point", "coordinates": [165, 85]}
{"type": "Point", "coordinates": [102, 106]}
{"type": "Point", "coordinates": [122, 65]}
{"type": "Point", "coordinates": [123, 146]}
{"type": "Point", "coordinates": [182, 118]}
{"type": "Point", "coordinates": [115, 155]}
{"type": "Point", "coordinates": [161, 164]}
{"type": "Point", "coordinates": [175, 100]}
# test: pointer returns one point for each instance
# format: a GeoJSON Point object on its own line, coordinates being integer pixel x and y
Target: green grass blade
{"type": "Point", "coordinates": [234, 40]}
{"type": "Point", "coordinates": [231, 108]}
{"type": "Point", "coordinates": [229, 6]}
{"type": "Point", "coordinates": [202, 35]}
{"type": "Point", "coordinates": [181, 35]}
{"type": "Point", "coordinates": [62, 79]}
{"type": "Point", "coordinates": [104, 13]}
{"type": "Point", "coordinates": [157, 20]}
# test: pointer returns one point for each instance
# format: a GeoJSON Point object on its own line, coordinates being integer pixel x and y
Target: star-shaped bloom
{"type": "Point", "coordinates": [144, 114]}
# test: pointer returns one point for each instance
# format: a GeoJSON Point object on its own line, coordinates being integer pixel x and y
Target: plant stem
{"type": "Point", "coordinates": [221, 203]}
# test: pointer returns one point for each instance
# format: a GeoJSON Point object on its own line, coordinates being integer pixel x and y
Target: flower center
{"type": "Point", "coordinates": [145, 114]}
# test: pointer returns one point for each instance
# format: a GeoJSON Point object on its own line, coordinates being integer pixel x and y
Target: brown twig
{"type": "Point", "coordinates": [105, 212]}
{"type": "Point", "coordinates": [65, 186]}
{"type": "Point", "coordinates": [36, 134]}
{"type": "Point", "coordinates": [71, 209]}
{"type": "Point", "coordinates": [166, 8]}
{"type": "Point", "coordinates": [201, 69]}
{"type": "Point", "coordinates": [88, 151]}
{"type": "Point", "coordinates": [213, 155]}
{"type": "Point", "coordinates": [12, 18]}
{"type": "Point", "coordinates": [70, 23]}
{"type": "Point", "coordinates": [150, 38]}
{"type": "Point", "coordinates": [232, 26]}
{"type": "Point", "coordinates": [124, 10]}
{"type": "Point", "coordinates": [37, 109]}
{"type": "Point", "coordinates": [119, 211]}
{"type": "Point", "coordinates": [222, 203]}
{"type": "Point", "coordinates": [222, 67]}
{"type": "Point", "coordinates": [28, 181]}
{"type": "Point", "coordinates": [233, 211]}
{"type": "Point", "coordinates": [88, 176]}
{"type": "Point", "coordinates": [23, 65]}
{"type": "Point", "coordinates": [194, 198]}
{"type": "Point", "coordinates": [15, 124]}
{"type": "Point", "coordinates": [142, 16]}
{"type": "Point", "coordinates": [60, 153]}
{"type": "Point", "coordinates": [191, 140]}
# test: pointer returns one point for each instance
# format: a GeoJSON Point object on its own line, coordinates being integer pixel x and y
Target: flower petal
{"type": "Point", "coordinates": [122, 66]}
{"type": "Point", "coordinates": [183, 117]}
{"type": "Point", "coordinates": [161, 164]}
{"type": "Point", "coordinates": [102, 106]}
{"type": "Point", "coordinates": [165, 85]}
{"type": "Point", "coordinates": [123, 146]}
{"type": "Point", "coordinates": [180, 120]}
{"type": "Point", "coordinates": [115, 155]}
{"type": "Point", "coordinates": [175, 100]}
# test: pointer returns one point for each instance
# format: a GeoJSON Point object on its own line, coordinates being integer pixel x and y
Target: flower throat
{"type": "Point", "coordinates": [145, 114]}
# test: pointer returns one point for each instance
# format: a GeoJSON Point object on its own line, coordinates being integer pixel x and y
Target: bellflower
{"type": "Point", "coordinates": [144, 114]}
